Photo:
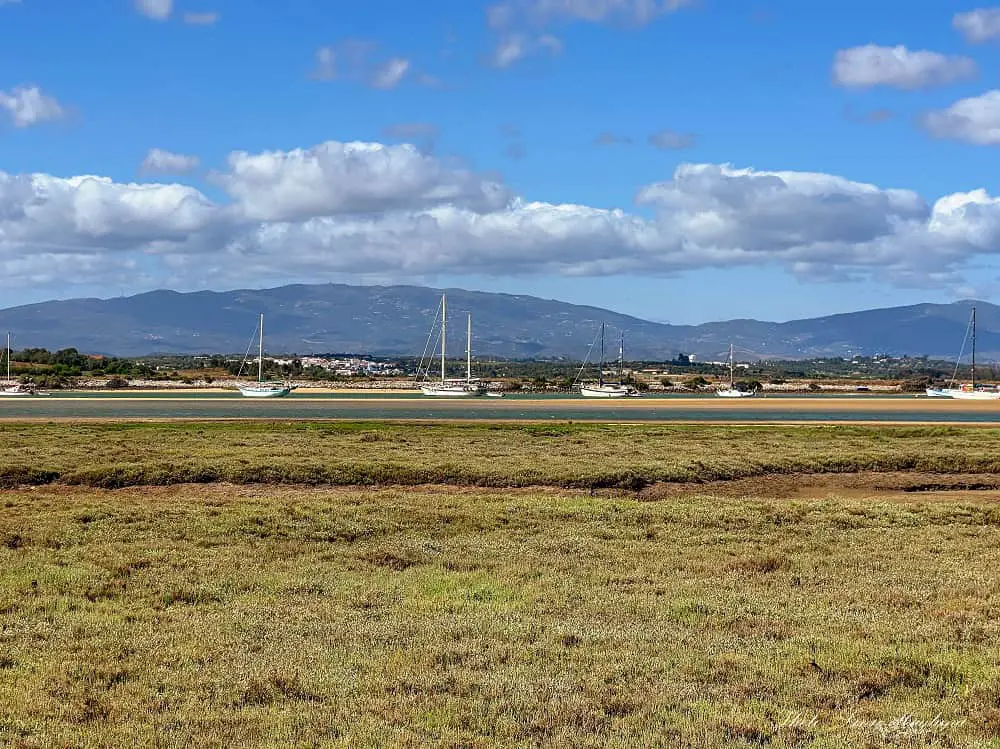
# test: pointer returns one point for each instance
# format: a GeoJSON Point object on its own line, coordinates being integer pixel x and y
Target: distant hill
{"type": "Point", "coordinates": [394, 320]}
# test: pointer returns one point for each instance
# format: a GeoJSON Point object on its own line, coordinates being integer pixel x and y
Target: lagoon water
{"type": "Point", "coordinates": [124, 405]}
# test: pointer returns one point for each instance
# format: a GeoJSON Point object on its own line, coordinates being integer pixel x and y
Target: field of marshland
{"type": "Point", "coordinates": [295, 584]}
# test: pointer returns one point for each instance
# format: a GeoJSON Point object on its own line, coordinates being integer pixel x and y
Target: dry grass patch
{"type": "Point", "coordinates": [277, 616]}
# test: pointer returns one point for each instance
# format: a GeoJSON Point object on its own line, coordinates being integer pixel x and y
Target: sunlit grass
{"type": "Point", "coordinates": [509, 455]}
{"type": "Point", "coordinates": [277, 616]}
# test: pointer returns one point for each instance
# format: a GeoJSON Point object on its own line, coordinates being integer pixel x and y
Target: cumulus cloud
{"type": "Point", "coordinates": [158, 10]}
{"type": "Point", "coordinates": [369, 208]}
{"type": "Point", "coordinates": [871, 65]}
{"type": "Point", "coordinates": [978, 26]}
{"type": "Point", "coordinates": [27, 105]}
{"type": "Point", "coordinates": [337, 178]}
{"type": "Point", "coordinates": [671, 140]}
{"type": "Point", "coordinates": [158, 161]}
{"type": "Point", "coordinates": [974, 120]}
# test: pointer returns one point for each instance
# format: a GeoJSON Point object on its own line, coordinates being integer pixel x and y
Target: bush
{"type": "Point", "coordinates": [916, 385]}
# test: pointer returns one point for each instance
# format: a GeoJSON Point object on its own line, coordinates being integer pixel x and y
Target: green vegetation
{"type": "Point", "coordinates": [490, 455]}
{"type": "Point", "coordinates": [283, 616]}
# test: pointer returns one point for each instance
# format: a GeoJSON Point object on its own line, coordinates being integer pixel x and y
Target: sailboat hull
{"type": "Point", "coordinates": [452, 391]}
{"type": "Point", "coordinates": [734, 393]}
{"type": "Point", "coordinates": [14, 393]}
{"type": "Point", "coordinates": [965, 395]}
{"type": "Point", "coordinates": [264, 391]}
{"type": "Point", "coordinates": [608, 391]}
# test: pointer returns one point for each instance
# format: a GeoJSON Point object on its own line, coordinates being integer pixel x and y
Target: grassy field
{"type": "Point", "coordinates": [517, 606]}
{"type": "Point", "coordinates": [279, 616]}
{"type": "Point", "coordinates": [487, 455]}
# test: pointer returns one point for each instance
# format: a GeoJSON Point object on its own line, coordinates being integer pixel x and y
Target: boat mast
{"type": "Point", "coordinates": [600, 372]}
{"type": "Point", "coordinates": [621, 358]}
{"type": "Point", "coordinates": [973, 348]}
{"type": "Point", "coordinates": [468, 353]}
{"type": "Point", "coordinates": [8, 356]}
{"type": "Point", "coordinates": [260, 351]}
{"type": "Point", "coordinates": [731, 376]}
{"type": "Point", "coordinates": [444, 327]}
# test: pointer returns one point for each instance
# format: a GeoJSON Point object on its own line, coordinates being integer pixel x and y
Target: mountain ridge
{"type": "Point", "coordinates": [395, 320]}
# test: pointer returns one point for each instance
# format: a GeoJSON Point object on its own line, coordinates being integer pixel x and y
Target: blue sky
{"type": "Point", "coordinates": [752, 85]}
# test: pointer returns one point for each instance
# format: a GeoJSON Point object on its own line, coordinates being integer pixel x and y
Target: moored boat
{"type": "Point", "coordinates": [262, 389]}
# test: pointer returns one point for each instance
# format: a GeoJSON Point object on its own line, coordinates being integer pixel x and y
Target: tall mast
{"type": "Point", "coordinates": [260, 351]}
{"type": "Point", "coordinates": [444, 328]}
{"type": "Point", "coordinates": [600, 376]}
{"type": "Point", "coordinates": [468, 353]}
{"type": "Point", "coordinates": [8, 356]}
{"type": "Point", "coordinates": [731, 365]}
{"type": "Point", "coordinates": [973, 348]}
{"type": "Point", "coordinates": [621, 358]}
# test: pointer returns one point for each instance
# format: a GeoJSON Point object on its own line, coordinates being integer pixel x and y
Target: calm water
{"type": "Point", "coordinates": [383, 405]}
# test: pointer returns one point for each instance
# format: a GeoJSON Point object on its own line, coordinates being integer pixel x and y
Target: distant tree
{"type": "Point", "coordinates": [696, 383]}
{"type": "Point", "coordinates": [813, 387]}
{"type": "Point", "coordinates": [666, 382]}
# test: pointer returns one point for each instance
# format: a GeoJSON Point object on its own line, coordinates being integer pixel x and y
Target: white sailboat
{"type": "Point", "coordinates": [608, 389]}
{"type": "Point", "coordinates": [967, 391]}
{"type": "Point", "coordinates": [262, 389]}
{"type": "Point", "coordinates": [467, 388]}
{"type": "Point", "coordinates": [732, 391]}
{"type": "Point", "coordinates": [11, 389]}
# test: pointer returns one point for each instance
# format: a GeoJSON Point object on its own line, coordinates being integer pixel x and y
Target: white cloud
{"type": "Point", "coordinates": [513, 47]}
{"type": "Point", "coordinates": [368, 208]}
{"type": "Point", "coordinates": [27, 105]}
{"type": "Point", "coordinates": [158, 161]}
{"type": "Point", "coordinates": [336, 178]}
{"type": "Point", "coordinates": [158, 10]}
{"type": "Point", "coordinates": [355, 60]}
{"type": "Point", "coordinates": [899, 67]}
{"type": "Point", "coordinates": [390, 73]}
{"type": "Point", "coordinates": [974, 120]}
{"type": "Point", "coordinates": [517, 22]}
{"type": "Point", "coordinates": [201, 19]}
{"type": "Point", "coordinates": [978, 26]}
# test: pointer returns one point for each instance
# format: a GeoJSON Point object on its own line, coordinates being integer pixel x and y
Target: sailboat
{"type": "Point", "coordinates": [11, 389]}
{"type": "Point", "coordinates": [609, 389]}
{"type": "Point", "coordinates": [966, 391]}
{"type": "Point", "coordinates": [732, 391]}
{"type": "Point", "coordinates": [262, 389]}
{"type": "Point", "coordinates": [470, 386]}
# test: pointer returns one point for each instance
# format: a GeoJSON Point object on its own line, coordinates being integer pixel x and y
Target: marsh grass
{"type": "Point", "coordinates": [294, 616]}
{"type": "Point", "coordinates": [589, 456]}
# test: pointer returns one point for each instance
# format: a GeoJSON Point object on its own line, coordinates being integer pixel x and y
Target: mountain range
{"type": "Point", "coordinates": [395, 320]}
